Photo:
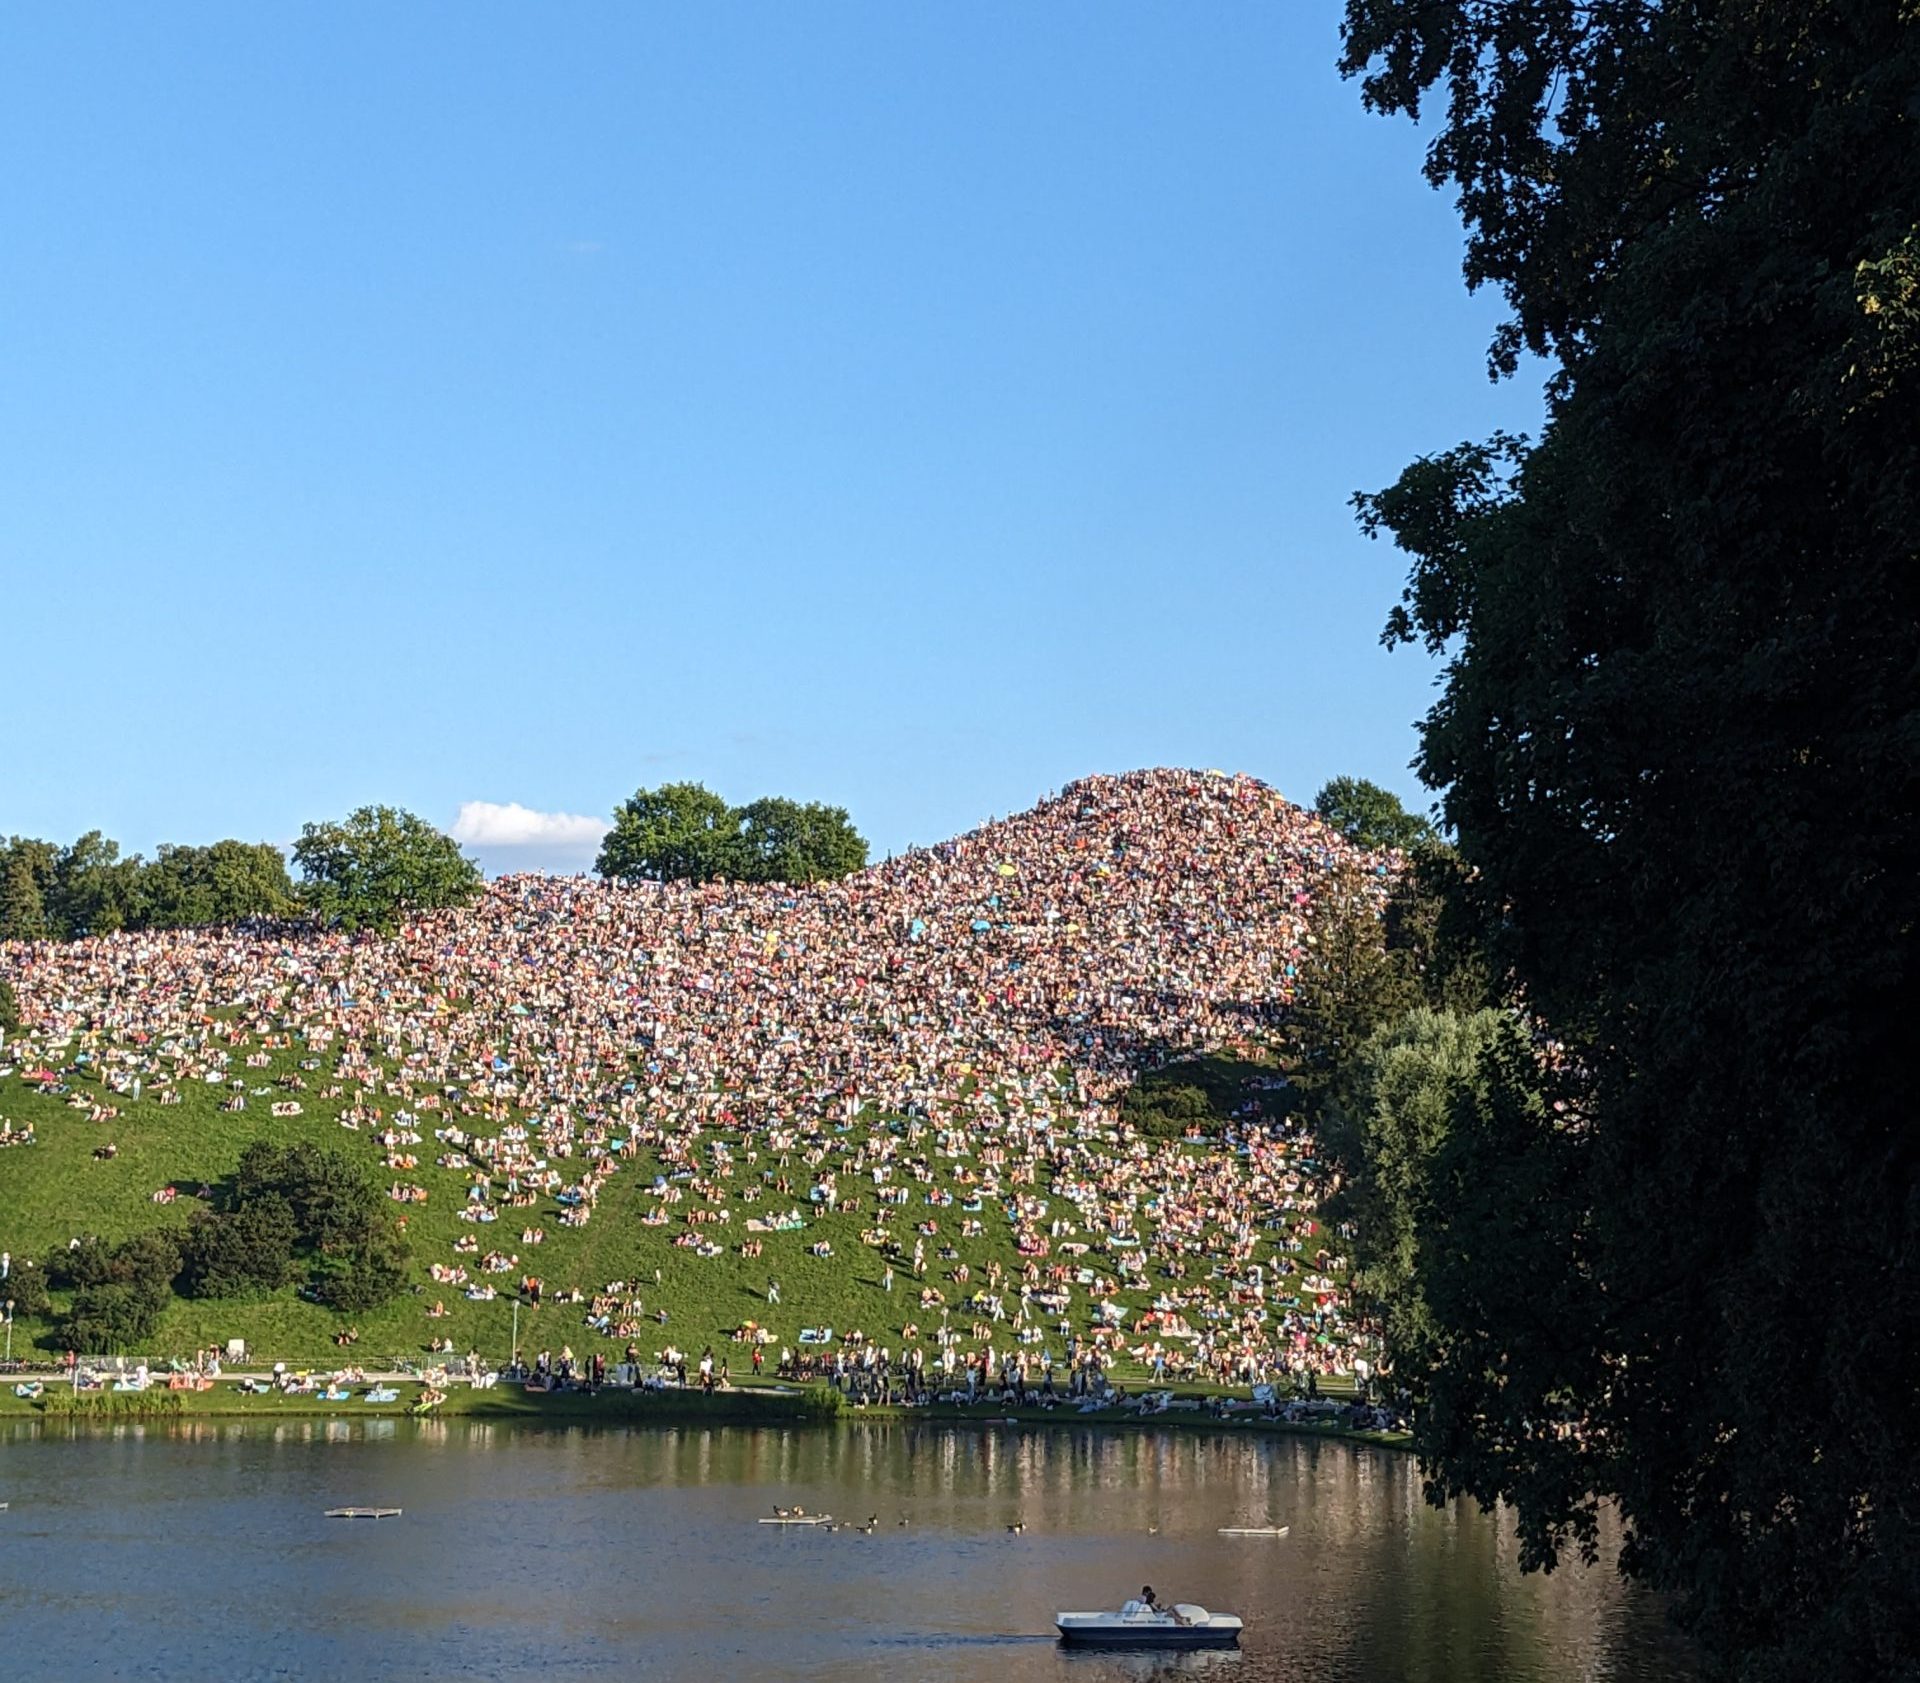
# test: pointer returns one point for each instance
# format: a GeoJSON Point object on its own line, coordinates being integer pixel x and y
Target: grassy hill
{"type": "Point", "coordinates": [960, 1025]}
{"type": "Point", "coordinates": [55, 1189]}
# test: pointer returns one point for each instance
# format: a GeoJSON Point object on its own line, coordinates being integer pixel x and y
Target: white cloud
{"type": "Point", "coordinates": [491, 824]}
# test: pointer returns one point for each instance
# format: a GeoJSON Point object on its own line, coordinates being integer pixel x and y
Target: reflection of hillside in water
{"type": "Point", "coordinates": [619, 1543]}
{"type": "Point", "coordinates": [1222, 1663]}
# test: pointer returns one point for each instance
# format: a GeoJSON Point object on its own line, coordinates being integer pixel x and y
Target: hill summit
{"type": "Point", "coordinates": [652, 1104]}
{"type": "Point", "coordinates": [1122, 921]}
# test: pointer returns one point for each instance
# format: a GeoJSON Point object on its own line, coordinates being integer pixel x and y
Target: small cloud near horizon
{"type": "Point", "coordinates": [509, 824]}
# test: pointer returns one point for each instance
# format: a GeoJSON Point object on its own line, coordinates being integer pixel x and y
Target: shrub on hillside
{"type": "Point", "coordinates": [86, 1263]}
{"type": "Point", "coordinates": [121, 1293]}
{"type": "Point", "coordinates": [26, 1289]}
{"type": "Point", "coordinates": [109, 1320]}
{"type": "Point", "coordinates": [241, 1252]}
{"type": "Point", "coordinates": [365, 1276]}
{"type": "Point", "coordinates": [1168, 1112]}
{"type": "Point", "coordinates": [289, 1201]}
{"type": "Point", "coordinates": [333, 1203]}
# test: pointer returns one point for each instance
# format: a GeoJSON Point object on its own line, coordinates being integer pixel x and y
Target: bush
{"type": "Point", "coordinates": [243, 1251]}
{"type": "Point", "coordinates": [97, 1405]}
{"type": "Point", "coordinates": [334, 1204]}
{"type": "Point", "coordinates": [371, 1273]}
{"type": "Point", "coordinates": [148, 1262]}
{"type": "Point", "coordinates": [89, 1263]}
{"type": "Point", "coordinates": [1168, 1112]}
{"type": "Point", "coordinates": [9, 1005]}
{"type": "Point", "coordinates": [285, 1201]}
{"type": "Point", "coordinates": [26, 1289]}
{"type": "Point", "coordinates": [109, 1319]}
{"type": "Point", "coordinates": [120, 1294]}
{"type": "Point", "coordinates": [821, 1402]}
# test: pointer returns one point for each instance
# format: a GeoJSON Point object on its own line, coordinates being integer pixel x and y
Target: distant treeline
{"type": "Point", "coordinates": [365, 872]}
{"type": "Point", "coordinates": [90, 888]}
{"type": "Point", "coordinates": [371, 869]}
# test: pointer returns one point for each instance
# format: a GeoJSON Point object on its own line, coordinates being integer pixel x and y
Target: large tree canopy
{"type": "Point", "coordinates": [1677, 746]}
{"type": "Point", "coordinates": [680, 832]}
{"type": "Point", "coordinates": [788, 841]}
{"type": "Point", "coordinates": [380, 864]}
{"type": "Point", "coordinates": [684, 832]}
{"type": "Point", "coordinates": [1368, 815]}
{"type": "Point", "coordinates": [187, 887]}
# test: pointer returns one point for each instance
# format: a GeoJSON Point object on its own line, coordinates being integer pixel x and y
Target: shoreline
{"type": "Point", "coordinates": [746, 1406]}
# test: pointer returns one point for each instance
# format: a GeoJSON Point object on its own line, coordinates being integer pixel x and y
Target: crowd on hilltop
{"type": "Point", "coordinates": [1004, 986]}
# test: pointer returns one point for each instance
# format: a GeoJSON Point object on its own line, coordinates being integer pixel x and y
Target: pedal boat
{"type": "Point", "coordinates": [1137, 1625]}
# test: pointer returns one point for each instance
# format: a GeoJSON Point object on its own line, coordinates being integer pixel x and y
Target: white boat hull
{"type": "Point", "coordinates": [1186, 1627]}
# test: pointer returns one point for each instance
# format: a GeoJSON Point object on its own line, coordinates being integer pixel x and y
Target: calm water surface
{"type": "Point", "coordinates": [529, 1551]}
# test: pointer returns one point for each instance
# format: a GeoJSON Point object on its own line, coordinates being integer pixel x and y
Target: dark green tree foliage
{"type": "Point", "coordinates": [363, 1275]}
{"type": "Point", "coordinates": [108, 1319]}
{"type": "Point", "coordinates": [242, 1252]}
{"type": "Point", "coordinates": [1376, 952]}
{"type": "Point", "coordinates": [791, 841]}
{"type": "Point", "coordinates": [684, 832]}
{"type": "Point", "coordinates": [1350, 981]}
{"type": "Point", "coordinates": [9, 1005]}
{"type": "Point", "coordinates": [1368, 815]}
{"type": "Point", "coordinates": [1167, 1112]}
{"type": "Point", "coordinates": [332, 1201]}
{"type": "Point", "coordinates": [26, 875]}
{"type": "Point", "coordinates": [680, 832]}
{"type": "Point", "coordinates": [1430, 919]}
{"type": "Point", "coordinates": [26, 1286]}
{"type": "Point", "coordinates": [90, 888]}
{"type": "Point", "coordinates": [377, 866]}
{"type": "Point", "coordinates": [1676, 747]}
{"type": "Point", "coordinates": [120, 1293]}
{"type": "Point", "coordinates": [88, 1263]}
{"type": "Point", "coordinates": [191, 887]}
{"type": "Point", "coordinates": [95, 889]}
{"type": "Point", "coordinates": [295, 1202]}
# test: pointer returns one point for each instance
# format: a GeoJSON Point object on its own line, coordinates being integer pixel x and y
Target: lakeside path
{"type": "Point", "coordinates": [745, 1405]}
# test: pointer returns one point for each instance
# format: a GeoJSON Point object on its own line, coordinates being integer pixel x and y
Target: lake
{"type": "Point", "coordinates": [528, 1550]}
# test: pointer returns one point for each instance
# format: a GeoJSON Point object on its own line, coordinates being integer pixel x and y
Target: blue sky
{"type": "Point", "coordinates": [911, 407]}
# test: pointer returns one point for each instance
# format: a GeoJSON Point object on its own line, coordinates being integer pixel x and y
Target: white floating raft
{"type": "Point", "coordinates": [1255, 1530]}
{"type": "Point", "coordinates": [802, 1519]}
{"type": "Point", "coordinates": [363, 1513]}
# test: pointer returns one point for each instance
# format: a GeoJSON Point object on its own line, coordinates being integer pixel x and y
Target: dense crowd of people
{"type": "Point", "coordinates": [989, 998]}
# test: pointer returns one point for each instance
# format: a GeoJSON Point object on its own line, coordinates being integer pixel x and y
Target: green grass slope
{"type": "Point", "coordinates": [55, 1189]}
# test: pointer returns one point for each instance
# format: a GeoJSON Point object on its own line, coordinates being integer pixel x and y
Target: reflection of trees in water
{"type": "Point", "coordinates": [1371, 1583]}
{"type": "Point", "coordinates": [1103, 1664]}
